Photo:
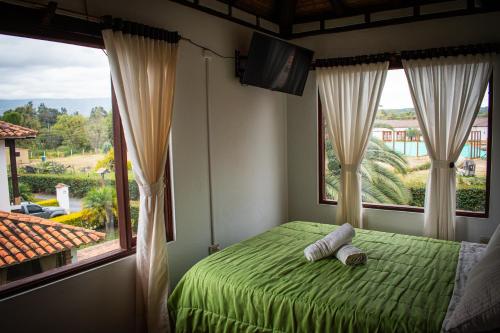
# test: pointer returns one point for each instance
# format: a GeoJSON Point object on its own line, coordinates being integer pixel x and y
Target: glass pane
{"type": "Point", "coordinates": [396, 165]}
{"type": "Point", "coordinates": [67, 209]}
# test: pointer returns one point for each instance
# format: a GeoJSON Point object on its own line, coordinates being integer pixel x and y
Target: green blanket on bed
{"type": "Point", "coordinates": [265, 284]}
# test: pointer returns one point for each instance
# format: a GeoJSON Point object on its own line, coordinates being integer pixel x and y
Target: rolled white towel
{"type": "Point", "coordinates": [350, 255]}
{"type": "Point", "coordinates": [330, 243]}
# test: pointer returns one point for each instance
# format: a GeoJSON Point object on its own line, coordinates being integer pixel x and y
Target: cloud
{"type": "Point", "coordinates": [396, 93]}
{"type": "Point", "coordinates": [32, 68]}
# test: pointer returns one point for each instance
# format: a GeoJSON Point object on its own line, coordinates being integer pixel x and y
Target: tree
{"type": "Point", "coordinates": [379, 174]}
{"type": "Point", "coordinates": [25, 116]}
{"type": "Point", "coordinates": [12, 117]}
{"type": "Point", "coordinates": [97, 127]}
{"type": "Point", "coordinates": [71, 128]}
{"type": "Point", "coordinates": [100, 207]}
{"type": "Point", "coordinates": [47, 116]}
{"type": "Point", "coordinates": [414, 135]}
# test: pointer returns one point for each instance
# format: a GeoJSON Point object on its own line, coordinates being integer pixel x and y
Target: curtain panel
{"type": "Point", "coordinates": [143, 73]}
{"type": "Point", "coordinates": [447, 94]}
{"type": "Point", "coordinates": [350, 96]}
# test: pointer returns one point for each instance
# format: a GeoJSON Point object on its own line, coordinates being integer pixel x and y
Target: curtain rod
{"type": "Point", "coordinates": [395, 58]}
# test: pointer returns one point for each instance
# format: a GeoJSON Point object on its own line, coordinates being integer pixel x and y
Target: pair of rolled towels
{"type": "Point", "coordinates": [337, 243]}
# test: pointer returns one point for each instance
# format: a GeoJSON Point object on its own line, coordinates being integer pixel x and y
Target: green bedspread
{"type": "Point", "coordinates": [265, 284]}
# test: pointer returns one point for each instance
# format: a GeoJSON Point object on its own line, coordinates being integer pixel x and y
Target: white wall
{"type": "Point", "coordinates": [302, 119]}
{"type": "Point", "coordinates": [95, 301]}
{"type": "Point", "coordinates": [248, 162]}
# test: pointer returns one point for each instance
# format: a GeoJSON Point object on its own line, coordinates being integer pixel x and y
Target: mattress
{"type": "Point", "coordinates": [264, 284]}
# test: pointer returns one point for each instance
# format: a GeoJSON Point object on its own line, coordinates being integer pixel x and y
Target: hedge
{"type": "Point", "coordinates": [79, 185]}
{"type": "Point", "coordinates": [78, 219]}
{"type": "Point", "coordinates": [471, 198]}
{"type": "Point", "coordinates": [46, 203]}
{"type": "Point", "coordinates": [134, 214]}
{"type": "Point", "coordinates": [75, 219]}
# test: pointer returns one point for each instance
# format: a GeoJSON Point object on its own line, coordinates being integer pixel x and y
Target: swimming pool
{"type": "Point", "coordinates": [410, 149]}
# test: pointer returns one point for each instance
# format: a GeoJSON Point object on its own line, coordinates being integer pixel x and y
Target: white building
{"type": "Point", "coordinates": [9, 133]}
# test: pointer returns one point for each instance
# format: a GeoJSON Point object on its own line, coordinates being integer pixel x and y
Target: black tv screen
{"type": "Point", "coordinates": [277, 65]}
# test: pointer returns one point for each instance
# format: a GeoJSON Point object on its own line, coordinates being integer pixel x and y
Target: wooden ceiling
{"type": "Point", "coordinates": [287, 13]}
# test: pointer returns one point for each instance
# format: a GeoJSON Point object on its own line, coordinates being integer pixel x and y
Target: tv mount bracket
{"type": "Point", "coordinates": [240, 64]}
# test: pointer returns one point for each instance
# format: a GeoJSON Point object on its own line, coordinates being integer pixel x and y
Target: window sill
{"type": "Point", "coordinates": [60, 273]}
{"type": "Point", "coordinates": [408, 209]}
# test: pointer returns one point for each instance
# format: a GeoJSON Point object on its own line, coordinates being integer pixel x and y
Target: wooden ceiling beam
{"type": "Point", "coordinates": [286, 10]}
{"type": "Point", "coordinates": [338, 7]}
{"type": "Point", "coordinates": [346, 11]}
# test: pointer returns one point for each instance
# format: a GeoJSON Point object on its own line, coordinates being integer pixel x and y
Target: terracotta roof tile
{"type": "Point", "coordinates": [24, 237]}
{"type": "Point", "coordinates": [11, 131]}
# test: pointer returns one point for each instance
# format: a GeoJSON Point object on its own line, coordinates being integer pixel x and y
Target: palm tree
{"type": "Point", "coordinates": [100, 207]}
{"type": "Point", "coordinates": [380, 169]}
{"type": "Point", "coordinates": [414, 135]}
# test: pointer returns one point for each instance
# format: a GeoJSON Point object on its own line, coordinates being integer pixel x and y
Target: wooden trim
{"type": "Point", "coordinates": [11, 143]}
{"type": "Point", "coordinates": [488, 147]}
{"type": "Point", "coordinates": [341, 11]}
{"type": "Point", "coordinates": [29, 26]}
{"type": "Point", "coordinates": [216, 13]}
{"type": "Point", "coordinates": [38, 280]}
{"type": "Point", "coordinates": [404, 208]}
{"type": "Point", "coordinates": [169, 209]}
{"type": "Point", "coordinates": [394, 21]}
{"type": "Point", "coordinates": [44, 24]}
{"type": "Point", "coordinates": [121, 177]}
{"type": "Point", "coordinates": [321, 153]}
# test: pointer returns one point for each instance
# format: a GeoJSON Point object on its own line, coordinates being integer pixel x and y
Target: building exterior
{"type": "Point", "coordinates": [9, 133]}
{"type": "Point", "coordinates": [404, 136]}
{"type": "Point", "coordinates": [31, 245]}
{"type": "Point", "coordinates": [387, 128]}
{"type": "Point", "coordinates": [22, 156]}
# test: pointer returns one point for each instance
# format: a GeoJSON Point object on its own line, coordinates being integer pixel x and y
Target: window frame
{"type": "Point", "coordinates": [25, 22]}
{"type": "Point", "coordinates": [403, 208]}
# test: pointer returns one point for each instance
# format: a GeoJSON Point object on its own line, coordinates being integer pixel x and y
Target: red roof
{"type": "Point", "coordinates": [11, 131]}
{"type": "Point", "coordinates": [25, 237]}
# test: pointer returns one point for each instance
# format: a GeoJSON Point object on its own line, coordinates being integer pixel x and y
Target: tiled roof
{"type": "Point", "coordinates": [25, 237]}
{"type": "Point", "coordinates": [11, 131]}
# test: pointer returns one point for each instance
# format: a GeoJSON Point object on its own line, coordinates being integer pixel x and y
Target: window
{"type": "Point", "coordinates": [75, 199]}
{"type": "Point", "coordinates": [396, 164]}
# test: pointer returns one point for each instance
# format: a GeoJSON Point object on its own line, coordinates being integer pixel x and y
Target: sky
{"type": "Point", "coordinates": [396, 94]}
{"type": "Point", "coordinates": [31, 68]}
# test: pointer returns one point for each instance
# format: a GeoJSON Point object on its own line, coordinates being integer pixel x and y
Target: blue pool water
{"type": "Point", "coordinates": [411, 149]}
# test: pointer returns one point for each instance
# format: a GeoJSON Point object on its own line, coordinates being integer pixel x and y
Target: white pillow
{"type": "Point", "coordinates": [479, 308]}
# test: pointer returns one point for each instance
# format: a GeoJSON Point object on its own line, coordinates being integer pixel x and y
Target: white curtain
{"type": "Point", "coordinates": [350, 96]}
{"type": "Point", "coordinates": [143, 73]}
{"type": "Point", "coordinates": [447, 94]}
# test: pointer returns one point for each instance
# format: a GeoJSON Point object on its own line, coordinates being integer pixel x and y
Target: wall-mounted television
{"type": "Point", "coordinates": [276, 65]}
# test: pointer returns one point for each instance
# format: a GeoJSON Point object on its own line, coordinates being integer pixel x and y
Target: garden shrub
{"type": "Point", "coordinates": [48, 167]}
{"type": "Point", "coordinates": [24, 191]}
{"type": "Point", "coordinates": [79, 184]}
{"type": "Point", "coordinates": [46, 203]}
{"type": "Point", "coordinates": [134, 213]}
{"type": "Point", "coordinates": [469, 197]}
{"type": "Point", "coordinates": [76, 219]}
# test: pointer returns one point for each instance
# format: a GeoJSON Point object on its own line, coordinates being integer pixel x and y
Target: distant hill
{"type": "Point", "coordinates": [80, 105]}
{"type": "Point", "coordinates": [409, 113]}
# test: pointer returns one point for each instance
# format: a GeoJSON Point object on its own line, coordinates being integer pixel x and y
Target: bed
{"type": "Point", "coordinates": [264, 284]}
